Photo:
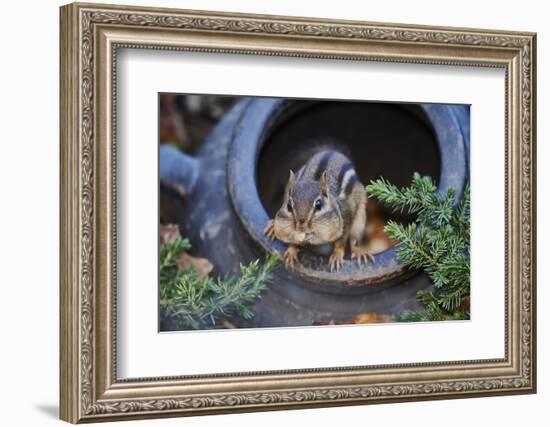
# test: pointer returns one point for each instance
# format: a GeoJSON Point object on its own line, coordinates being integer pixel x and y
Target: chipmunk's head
{"type": "Point", "coordinates": [309, 214]}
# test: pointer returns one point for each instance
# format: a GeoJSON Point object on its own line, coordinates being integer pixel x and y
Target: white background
{"type": "Point", "coordinates": [29, 170]}
{"type": "Point", "coordinates": [141, 347]}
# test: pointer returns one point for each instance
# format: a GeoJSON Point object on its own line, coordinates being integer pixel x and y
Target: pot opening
{"type": "Point", "coordinates": [382, 140]}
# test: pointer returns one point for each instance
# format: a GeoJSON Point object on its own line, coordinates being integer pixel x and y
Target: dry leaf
{"type": "Point", "coordinates": [377, 240]}
{"type": "Point", "coordinates": [172, 129]}
{"type": "Point", "coordinates": [369, 318]}
{"type": "Point", "coordinates": [169, 233]}
{"type": "Point", "coordinates": [228, 325]}
{"type": "Point", "coordinates": [202, 266]}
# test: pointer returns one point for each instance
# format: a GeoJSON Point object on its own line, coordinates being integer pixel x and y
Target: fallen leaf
{"type": "Point", "coordinates": [228, 325]}
{"type": "Point", "coordinates": [169, 233]}
{"type": "Point", "coordinates": [202, 266]}
{"type": "Point", "coordinates": [172, 126]}
{"type": "Point", "coordinates": [369, 318]}
{"type": "Point", "coordinates": [377, 240]}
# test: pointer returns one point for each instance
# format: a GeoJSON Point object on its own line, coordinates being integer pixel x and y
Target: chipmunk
{"type": "Point", "coordinates": [323, 203]}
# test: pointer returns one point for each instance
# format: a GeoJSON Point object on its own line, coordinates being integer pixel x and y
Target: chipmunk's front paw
{"type": "Point", "coordinates": [336, 260]}
{"type": "Point", "coordinates": [361, 255]}
{"type": "Point", "coordinates": [269, 230]}
{"type": "Point", "coordinates": [291, 256]}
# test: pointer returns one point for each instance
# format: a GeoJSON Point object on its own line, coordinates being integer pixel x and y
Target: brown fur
{"type": "Point", "coordinates": [323, 203]}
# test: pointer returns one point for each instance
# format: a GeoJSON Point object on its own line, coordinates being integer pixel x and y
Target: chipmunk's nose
{"type": "Point", "coordinates": [301, 224]}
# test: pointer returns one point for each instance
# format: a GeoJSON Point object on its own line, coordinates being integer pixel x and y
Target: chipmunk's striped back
{"type": "Point", "coordinates": [341, 176]}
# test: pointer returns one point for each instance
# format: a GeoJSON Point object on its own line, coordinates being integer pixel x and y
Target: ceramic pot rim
{"type": "Point", "coordinates": [254, 128]}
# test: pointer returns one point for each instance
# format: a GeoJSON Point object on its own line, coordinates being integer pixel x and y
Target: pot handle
{"type": "Point", "coordinates": [177, 170]}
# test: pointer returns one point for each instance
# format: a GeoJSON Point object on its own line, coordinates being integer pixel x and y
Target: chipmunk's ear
{"type": "Point", "coordinates": [323, 184]}
{"type": "Point", "coordinates": [290, 183]}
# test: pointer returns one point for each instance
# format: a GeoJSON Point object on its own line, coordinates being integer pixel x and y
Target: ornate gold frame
{"type": "Point", "coordinates": [90, 36]}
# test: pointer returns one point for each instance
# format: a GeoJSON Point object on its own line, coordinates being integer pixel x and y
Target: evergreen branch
{"type": "Point", "coordinates": [412, 199]}
{"type": "Point", "coordinates": [200, 303]}
{"type": "Point", "coordinates": [438, 242]}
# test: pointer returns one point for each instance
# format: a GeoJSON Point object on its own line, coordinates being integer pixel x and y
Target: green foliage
{"type": "Point", "coordinates": [438, 242]}
{"type": "Point", "coordinates": [201, 303]}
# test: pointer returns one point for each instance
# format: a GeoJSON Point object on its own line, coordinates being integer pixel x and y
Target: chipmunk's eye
{"type": "Point", "coordinates": [289, 206]}
{"type": "Point", "coordinates": [318, 204]}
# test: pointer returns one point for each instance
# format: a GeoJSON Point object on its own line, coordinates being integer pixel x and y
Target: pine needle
{"type": "Point", "coordinates": [192, 302]}
{"type": "Point", "coordinates": [438, 243]}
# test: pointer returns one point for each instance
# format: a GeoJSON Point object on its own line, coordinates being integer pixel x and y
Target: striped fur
{"type": "Point", "coordinates": [341, 175]}
{"type": "Point", "coordinates": [325, 202]}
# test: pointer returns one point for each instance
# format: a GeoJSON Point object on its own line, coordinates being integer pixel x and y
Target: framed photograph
{"type": "Point", "coordinates": [266, 212]}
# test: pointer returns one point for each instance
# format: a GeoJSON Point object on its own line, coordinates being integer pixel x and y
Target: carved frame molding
{"type": "Point", "coordinates": [90, 37]}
